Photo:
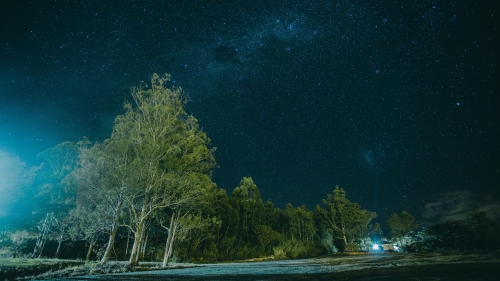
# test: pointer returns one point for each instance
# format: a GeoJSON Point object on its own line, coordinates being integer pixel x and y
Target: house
{"type": "Point", "coordinates": [387, 246]}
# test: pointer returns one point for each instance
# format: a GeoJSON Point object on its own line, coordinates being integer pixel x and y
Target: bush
{"type": "Point", "coordinates": [326, 241]}
{"type": "Point", "coordinates": [279, 253]}
{"type": "Point", "coordinates": [15, 244]}
{"type": "Point", "coordinates": [294, 249]}
{"type": "Point", "coordinates": [351, 247]}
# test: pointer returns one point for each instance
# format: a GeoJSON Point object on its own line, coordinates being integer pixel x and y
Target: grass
{"type": "Point", "coordinates": [11, 268]}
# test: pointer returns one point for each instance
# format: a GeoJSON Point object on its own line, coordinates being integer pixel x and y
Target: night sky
{"type": "Point", "coordinates": [397, 102]}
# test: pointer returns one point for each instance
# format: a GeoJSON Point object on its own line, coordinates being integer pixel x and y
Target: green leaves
{"type": "Point", "coordinates": [400, 225]}
{"type": "Point", "coordinates": [247, 191]}
{"type": "Point", "coordinates": [343, 218]}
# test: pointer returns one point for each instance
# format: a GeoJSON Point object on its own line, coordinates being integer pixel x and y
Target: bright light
{"type": "Point", "coordinates": [396, 247]}
{"type": "Point", "coordinates": [11, 172]}
{"type": "Point", "coordinates": [376, 247]}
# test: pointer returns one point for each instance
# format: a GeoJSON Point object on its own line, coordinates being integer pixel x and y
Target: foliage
{"type": "Point", "coordinates": [146, 193]}
{"type": "Point", "coordinates": [343, 219]}
{"type": "Point", "coordinates": [479, 232]}
{"type": "Point", "coordinates": [295, 249]}
{"type": "Point", "coordinates": [401, 224]}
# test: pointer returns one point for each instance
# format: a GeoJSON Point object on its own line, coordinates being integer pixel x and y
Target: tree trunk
{"type": "Point", "coordinates": [169, 240]}
{"type": "Point", "coordinates": [174, 222]}
{"type": "Point", "coordinates": [134, 254]}
{"type": "Point", "coordinates": [171, 243]}
{"type": "Point", "coordinates": [58, 249]}
{"type": "Point", "coordinates": [344, 237]}
{"type": "Point", "coordinates": [42, 237]}
{"type": "Point", "coordinates": [143, 248]}
{"type": "Point", "coordinates": [140, 222]}
{"type": "Point", "coordinates": [59, 244]}
{"type": "Point", "coordinates": [89, 251]}
{"type": "Point", "coordinates": [112, 235]}
{"type": "Point", "coordinates": [128, 240]}
{"type": "Point", "coordinates": [43, 246]}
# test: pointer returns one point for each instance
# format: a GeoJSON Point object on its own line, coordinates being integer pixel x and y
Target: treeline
{"type": "Point", "coordinates": [476, 233]}
{"type": "Point", "coordinates": [146, 194]}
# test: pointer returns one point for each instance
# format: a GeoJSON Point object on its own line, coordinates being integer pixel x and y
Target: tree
{"type": "Point", "coordinates": [202, 188]}
{"type": "Point", "coordinates": [101, 179]}
{"type": "Point", "coordinates": [168, 152]}
{"type": "Point", "coordinates": [344, 219]}
{"type": "Point", "coordinates": [247, 200]}
{"type": "Point", "coordinates": [267, 236]}
{"type": "Point", "coordinates": [400, 225]}
{"type": "Point", "coordinates": [300, 223]}
{"type": "Point", "coordinates": [61, 159]}
{"type": "Point", "coordinates": [484, 231]}
{"type": "Point", "coordinates": [227, 231]}
{"type": "Point", "coordinates": [56, 191]}
{"type": "Point", "coordinates": [88, 221]}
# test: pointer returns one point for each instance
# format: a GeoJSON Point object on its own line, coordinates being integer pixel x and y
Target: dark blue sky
{"type": "Point", "coordinates": [395, 101]}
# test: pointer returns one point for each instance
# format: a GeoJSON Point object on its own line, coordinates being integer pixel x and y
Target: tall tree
{"type": "Point", "coordinates": [247, 200]}
{"type": "Point", "coordinates": [56, 190]}
{"type": "Point", "coordinates": [300, 223]}
{"type": "Point", "coordinates": [202, 191]}
{"type": "Point", "coordinates": [101, 177]}
{"type": "Point", "coordinates": [344, 219]}
{"type": "Point", "coordinates": [168, 150]}
{"type": "Point", "coordinates": [401, 224]}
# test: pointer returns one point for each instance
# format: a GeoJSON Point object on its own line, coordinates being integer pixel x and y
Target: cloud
{"type": "Point", "coordinates": [458, 205]}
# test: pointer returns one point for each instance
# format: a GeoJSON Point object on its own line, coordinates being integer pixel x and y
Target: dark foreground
{"type": "Point", "coordinates": [477, 271]}
{"type": "Point", "coordinates": [421, 266]}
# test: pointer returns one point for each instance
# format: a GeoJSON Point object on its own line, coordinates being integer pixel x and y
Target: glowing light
{"type": "Point", "coordinates": [376, 247]}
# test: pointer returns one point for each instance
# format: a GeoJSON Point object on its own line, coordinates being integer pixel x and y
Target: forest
{"type": "Point", "coordinates": [146, 194]}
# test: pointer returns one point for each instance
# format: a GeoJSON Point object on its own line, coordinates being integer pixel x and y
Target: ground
{"type": "Point", "coordinates": [389, 266]}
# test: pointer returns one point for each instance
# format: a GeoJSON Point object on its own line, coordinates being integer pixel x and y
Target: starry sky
{"type": "Point", "coordinates": [397, 101]}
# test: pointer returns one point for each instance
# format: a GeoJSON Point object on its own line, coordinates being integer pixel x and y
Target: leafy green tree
{"type": "Point", "coordinates": [344, 219]}
{"type": "Point", "coordinates": [401, 224]}
{"type": "Point", "coordinates": [247, 200]}
{"type": "Point", "coordinates": [61, 159]}
{"type": "Point", "coordinates": [478, 232]}
{"type": "Point", "coordinates": [94, 216]}
{"type": "Point", "coordinates": [267, 236]}
{"type": "Point", "coordinates": [450, 236]}
{"type": "Point", "coordinates": [168, 152]}
{"type": "Point", "coordinates": [300, 222]}
{"type": "Point", "coordinates": [54, 189]}
{"type": "Point", "coordinates": [56, 192]}
{"type": "Point", "coordinates": [204, 188]}
{"type": "Point", "coordinates": [101, 179]}
{"type": "Point", "coordinates": [225, 233]}
{"type": "Point", "coordinates": [484, 231]}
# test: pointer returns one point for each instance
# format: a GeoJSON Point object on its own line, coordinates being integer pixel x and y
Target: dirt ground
{"type": "Point", "coordinates": [395, 266]}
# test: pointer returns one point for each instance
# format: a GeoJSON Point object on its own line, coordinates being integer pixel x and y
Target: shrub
{"type": "Point", "coordinates": [295, 249]}
{"type": "Point", "coordinates": [351, 247]}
